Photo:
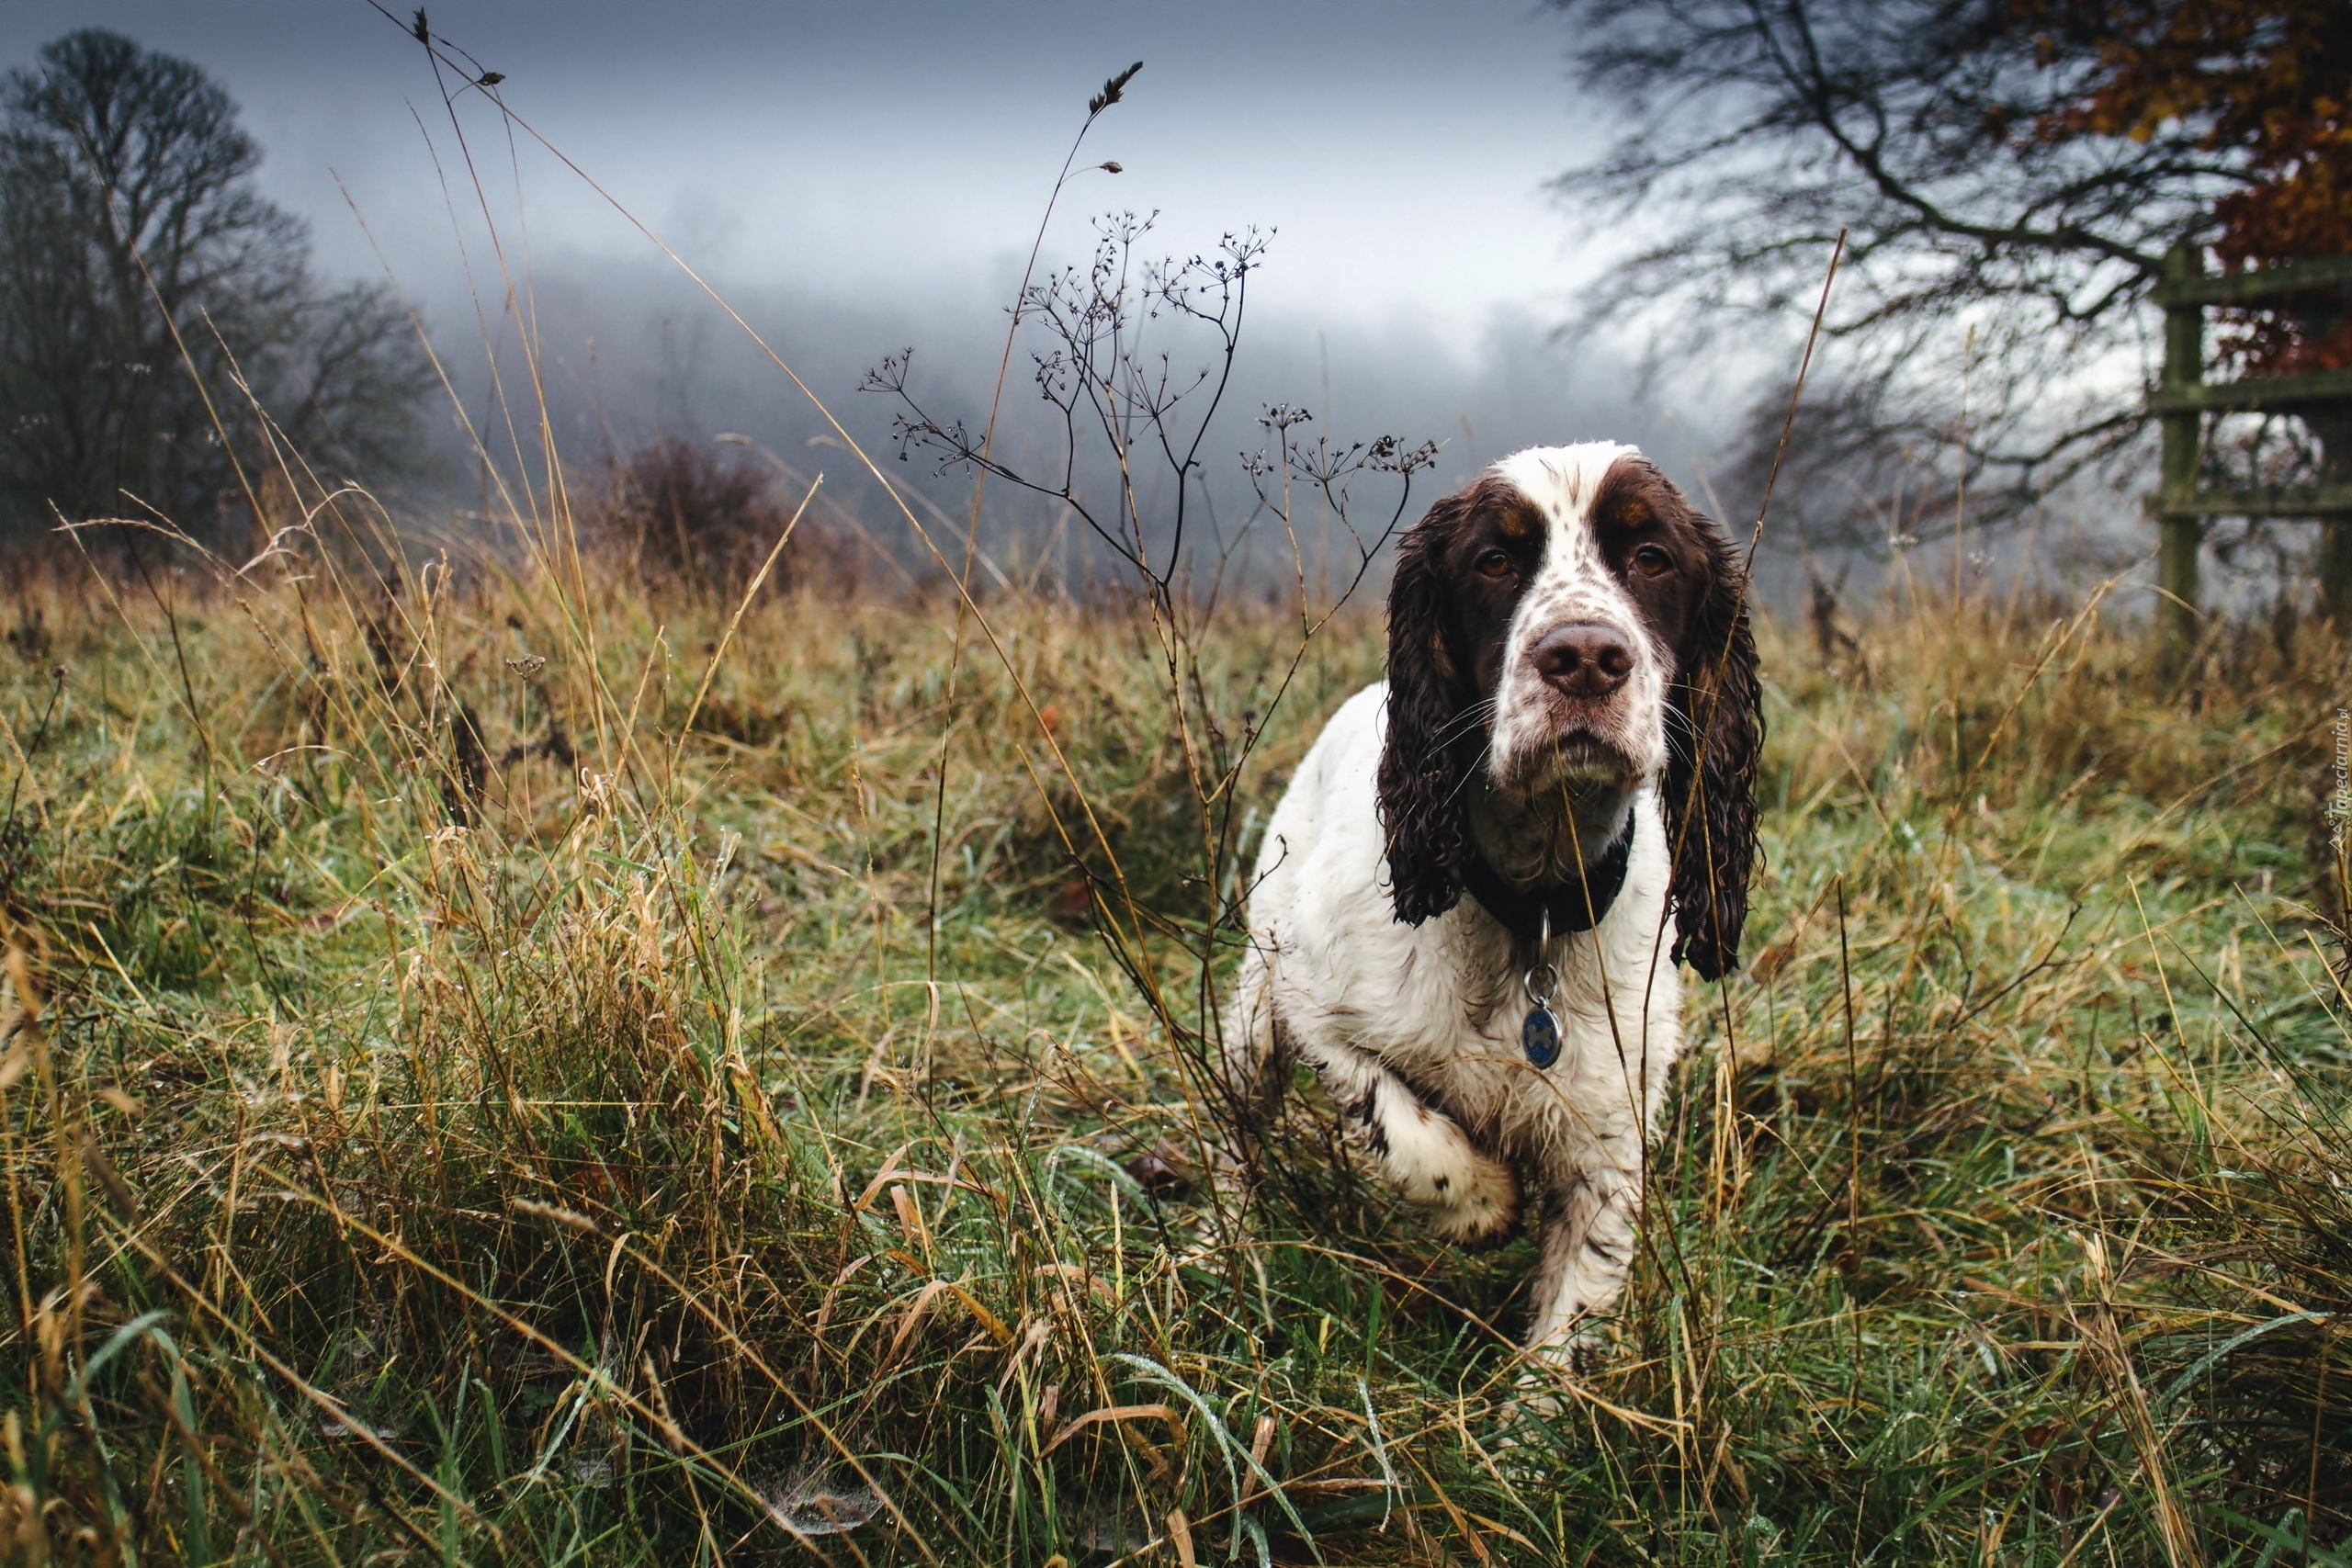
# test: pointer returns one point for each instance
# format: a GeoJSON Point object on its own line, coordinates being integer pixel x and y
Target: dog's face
{"type": "Point", "coordinates": [1573, 575]}
{"type": "Point", "coordinates": [1569, 621]}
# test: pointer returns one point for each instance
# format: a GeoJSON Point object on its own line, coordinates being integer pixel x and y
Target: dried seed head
{"type": "Point", "coordinates": [1112, 91]}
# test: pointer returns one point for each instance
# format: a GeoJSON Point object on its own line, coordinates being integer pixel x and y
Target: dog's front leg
{"type": "Point", "coordinates": [1589, 1229]}
{"type": "Point", "coordinates": [1471, 1198]}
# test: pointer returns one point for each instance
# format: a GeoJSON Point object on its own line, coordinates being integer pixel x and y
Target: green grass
{"type": "Point", "coordinates": [626, 1165]}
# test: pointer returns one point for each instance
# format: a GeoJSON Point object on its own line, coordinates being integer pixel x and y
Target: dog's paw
{"type": "Point", "coordinates": [1528, 1422]}
{"type": "Point", "coordinates": [1536, 1395]}
{"type": "Point", "coordinates": [1576, 1354]}
{"type": "Point", "coordinates": [1476, 1206]}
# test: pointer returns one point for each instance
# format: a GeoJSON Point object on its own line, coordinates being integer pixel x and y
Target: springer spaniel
{"type": "Point", "coordinates": [1569, 734]}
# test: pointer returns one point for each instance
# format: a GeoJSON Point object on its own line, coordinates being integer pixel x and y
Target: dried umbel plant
{"type": "Point", "coordinates": [1133, 356]}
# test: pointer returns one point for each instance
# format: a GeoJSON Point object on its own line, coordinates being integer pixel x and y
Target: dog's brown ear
{"type": "Point", "coordinates": [1424, 773]}
{"type": "Point", "coordinates": [1714, 733]}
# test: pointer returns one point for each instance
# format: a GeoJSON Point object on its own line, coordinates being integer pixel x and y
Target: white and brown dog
{"type": "Point", "coordinates": [1568, 733]}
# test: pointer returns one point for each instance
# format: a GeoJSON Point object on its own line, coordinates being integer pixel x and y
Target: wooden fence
{"type": "Point", "coordinates": [2184, 398]}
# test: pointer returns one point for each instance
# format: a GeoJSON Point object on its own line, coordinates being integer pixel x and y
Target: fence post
{"type": "Point", "coordinates": [2181, 532]}
{"type": "Point", "coordinates": [2336, 570]}
{"type": "Point", "coordinates": [2322, 311]}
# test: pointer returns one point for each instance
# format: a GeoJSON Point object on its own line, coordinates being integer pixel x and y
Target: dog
{"type": "Point", "coordinates": [1460, 916]}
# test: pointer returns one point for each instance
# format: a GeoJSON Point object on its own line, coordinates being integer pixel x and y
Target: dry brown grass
{"type": "Point", "coordinates": [426, 1145]}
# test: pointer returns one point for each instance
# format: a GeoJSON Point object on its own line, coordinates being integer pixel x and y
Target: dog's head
{"type": "Point", "coordinates": [1569, 622]}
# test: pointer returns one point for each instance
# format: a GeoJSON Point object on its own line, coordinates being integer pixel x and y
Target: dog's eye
{"type": "Point", "coordinates": [1649, 560]}
{"type": "Point", "coordinates": [1491, 563]}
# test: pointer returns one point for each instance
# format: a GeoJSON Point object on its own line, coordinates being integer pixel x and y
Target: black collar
{"type": "Point", "coordinates": [1576, 904]}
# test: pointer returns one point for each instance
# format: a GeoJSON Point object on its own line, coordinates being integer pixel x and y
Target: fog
{"type": "Point", "coordinates": [859, 180]}
{"type": "Point", "coordinates": [630, 352]}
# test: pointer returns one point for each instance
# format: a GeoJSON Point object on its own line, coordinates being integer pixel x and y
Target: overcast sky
{"type": "Point", "coordinates": [1400, 149]}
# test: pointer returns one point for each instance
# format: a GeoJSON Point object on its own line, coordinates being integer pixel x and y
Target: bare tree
{"type": "Point", "coordinates": [150, 298]}
{"type": "Point", "coordinates": [1995, 244]}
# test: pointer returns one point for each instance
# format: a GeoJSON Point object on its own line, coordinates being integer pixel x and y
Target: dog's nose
{"type": "Point", "coordinates": [1583, 659]}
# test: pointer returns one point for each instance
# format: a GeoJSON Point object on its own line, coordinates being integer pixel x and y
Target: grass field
{"type": "Point", "coordinates": [519, 1070]}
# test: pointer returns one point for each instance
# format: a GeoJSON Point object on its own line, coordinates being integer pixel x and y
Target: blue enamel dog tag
{"type": "Point", "coordinates": [1540, 1036]}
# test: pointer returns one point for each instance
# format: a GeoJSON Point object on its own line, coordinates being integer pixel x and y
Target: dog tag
{"type": "Point", "coordinates": [1540, 1036]}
